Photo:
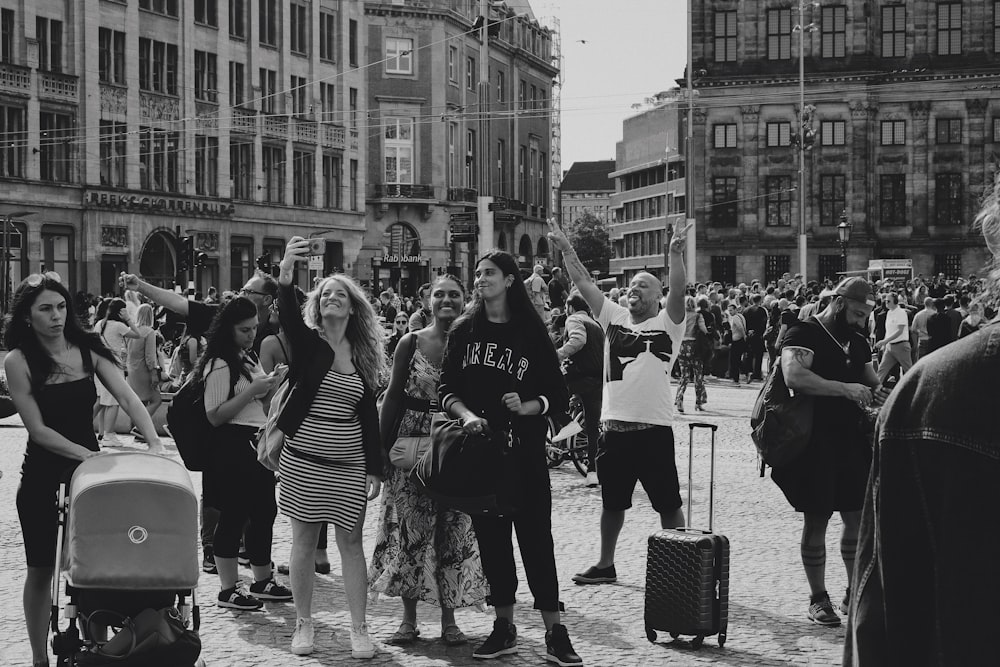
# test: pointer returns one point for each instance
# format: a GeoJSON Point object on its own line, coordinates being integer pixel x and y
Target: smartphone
{"type": "Point", "coordinates": [317, 246]}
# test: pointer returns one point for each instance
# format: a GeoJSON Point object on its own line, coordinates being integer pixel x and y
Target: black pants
{"type": "Point", "coordinates": [589, 392]}
{"type": "Point", "coordinates": [534, 537]}
{"type": "Point", "coordinates": [736, 351]}
{"type": "Point", "coordinates": [755, 350]}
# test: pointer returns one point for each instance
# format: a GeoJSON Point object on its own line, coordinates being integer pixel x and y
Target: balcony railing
{"type": "Point", "coordinates": [15, 79]}
{"type": "Point", "coordinates": [275, 126]}
{"type": "Point", "coordinates": [402, 191]}
{"type": "Point", "coordinates": [62, 87]}
{"type": "Point", "coordinates": [332, 136]}
{"type": "Point", "coordinates": [306, 131]}
{"type": "Point", "coordinates": [244, 120]}
{"type": "Point", "coordinates": [467, 195]}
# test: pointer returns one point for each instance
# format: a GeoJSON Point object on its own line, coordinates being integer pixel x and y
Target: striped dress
{"type": "Point", "coordinates": [315, 492]}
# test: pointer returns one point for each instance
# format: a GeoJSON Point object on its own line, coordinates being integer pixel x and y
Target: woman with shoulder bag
{"type": "Point", "coordinates": [332, 461]}
{"type": "Point", "coordinates": [498, 351]}
{"type": "Point", "coordinates": [689, 360]}
{"type": "Point", "coordinates": [423, 551]}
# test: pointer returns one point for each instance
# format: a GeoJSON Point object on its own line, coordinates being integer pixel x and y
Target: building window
{"type": "Point", "coordinates": [113, 145]}
{"type": "Point", "coordinates": [470, 73]}
{"type": "Point", "coordinates": [111, 56]}
{"type": "Point", "coordinates": [779, 34]}
{"type": "Point", "coordinates": [54, 149]}
{"type": "Point", "coordinates": [297, 92]}
{"type": "Point", "coordinates": [206, 12]}
{"type": "Point", "coordinates": [268, 90]}
{"type": "Point", "coordinates": [237, 83]}
{"type": "Point", "coordinates": [892, 200]}
{"type": "Point", "coordinates": [7, 33]}
{"type": "Point", "coordinates": [948, 131]}
{"type": "Point", "coordinates": [949, 28]}
{"type": "Point", "coordinates": [532, 97]}
{"type": "Point", "coordinates": [298, 29]}
{"type": "Point", "coordinates": [327, 36]}
{"type": "Point", "coordinates": [832, 198]}
{"type": "Point", "coordinates": [452, 166]}
{"type": "Point", "coordinates": [398, 150]}
{"type": "Point", "coordinates": [893, 31]}
{"type": "Point", "coordinates": [205, 77]}
{"type": "Point", "coordinates": [776, 266]}
{"type": "Point", "coordinates": [48, 32]}
{"type": "Point", "coordinates": [352, 43]}
{"type": "Point", "coordinates": [725, 135]}
{"type": "Point", "coordinates": [470, 159]}
{"type": "Point", "coordinates": [948, 264]}
{"type": "Point", "coordinates": [832, 132]}
{"type": "Point", "coordinates": [354, 185]}
{"type": "Point", "coordinates": [833, 31]}
{"type": "Point", "coordinates": [725, 37]}
{"type": "Point", "coordinates": [157, 66]}
{"type": "Point", "coordinates": [206, 165]}
{"type": "Point", "coordinates": [829, 267]}
{"type": "Point", "coordinates": [779, 134]}
{"type": "Point", "coordinates": [303, 174]}
{"type": "Point", "coordinates": [165, 7]}
{"type": "Point", "coordinates": [273, 164]}
{"type": "Point", "coordinates": [352, 105]}
{"type": "Point", "coordinates": [522, 172]}
{"type": "Point", "coordinates": [240, 260]}
{"type": "Point", "coordinates": [158, 160]}
{"type": "Point", "coordinates": [778, 198]}
{"type": "Point", "coordinates": [241, 170]}
{"type": "Point", "coordinates": [331, 181]}
{"type": "Point", "coordinates": [268, 15]}
{"type": "Point", "coordinates": [522, 93]}
{"type": "Point", "coordinates": [398, 55]}
{"type": "Point", "coordinates": [501, 86]}
{"type": "Point", "coordinates": [453, 64]}
{"type": "Point", "coordinates": [724, 200]}
{"type": "Point", "coordinates": [328, 102]}
{"type": "Point", "coordinates": [238, 19]}
{"type": "Point", "coordinates": [948, 199]}
{"type": "Point", "coordinates": [13, 141]}
{"type": "Point", "coordinates": [996, 130]}
{"type": "Point", "coordinates": [996, 27]}
{"type": "Point", "coordinates": [893, 132]}
{"type": "Point", "coordinates": [724, 269]}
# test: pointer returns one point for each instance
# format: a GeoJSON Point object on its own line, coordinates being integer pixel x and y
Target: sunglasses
{"type": "Point", "coordinates": [245, 290]}
{"type": "Point", "coordinates": [36, 279]}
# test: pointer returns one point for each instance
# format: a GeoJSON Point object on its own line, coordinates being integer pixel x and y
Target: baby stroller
{"type": "Point", "coordinates": [127, 542]}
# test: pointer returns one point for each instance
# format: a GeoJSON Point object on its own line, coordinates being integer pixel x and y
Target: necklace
{"type": "Point", "coordinates": [846, 347]}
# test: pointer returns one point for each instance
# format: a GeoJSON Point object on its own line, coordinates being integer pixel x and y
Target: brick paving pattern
{"type": "Point", "coordinates": [768, 592]}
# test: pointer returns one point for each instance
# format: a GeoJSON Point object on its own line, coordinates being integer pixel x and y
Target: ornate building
{"type": "Point", "coordinates": [898, 136]}
{"type": "Point", "coordinates": [127, 124]}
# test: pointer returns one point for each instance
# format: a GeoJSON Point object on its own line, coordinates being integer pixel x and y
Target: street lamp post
{"type": "Point", "coordinates": [844, 234]}
{"type": "Point", "coordinates": [802, 29]}
{"type": "Point", "coordinates": [6, 287]}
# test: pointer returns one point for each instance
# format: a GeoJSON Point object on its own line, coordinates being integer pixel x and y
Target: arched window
{"type": "Point", "coordinates": [502, 241]}
{"type": "Point", "coordinates": [401, 239]}
{"type": "Point", "coordinates": [157, 263]}
{"type": "Point", "coordinates": [543, 247]}
{"type": "Point", "coordinates": [524, 248]}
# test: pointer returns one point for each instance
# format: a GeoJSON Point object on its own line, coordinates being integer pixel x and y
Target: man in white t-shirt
{"type": "Point", "coordinates": [897, 340]}
{"type": "Point", "coordinates": [641, 345]}
{"type": "Point", "coordinates": [537, 289]}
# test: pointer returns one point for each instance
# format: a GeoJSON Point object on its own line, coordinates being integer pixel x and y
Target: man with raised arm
{"type": "Point", "coordinates": [641, 346]}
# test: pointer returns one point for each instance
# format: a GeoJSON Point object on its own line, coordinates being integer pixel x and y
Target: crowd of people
{"type": "Point", "coordinates": [363, 370]}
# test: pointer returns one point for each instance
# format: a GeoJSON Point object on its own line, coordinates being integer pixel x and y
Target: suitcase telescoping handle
{"type": "Point", "coordinates": [711, 480]}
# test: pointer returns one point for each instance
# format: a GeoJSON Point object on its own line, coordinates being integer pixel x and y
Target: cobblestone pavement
{"type": "Point", "coordinates": [768, 593]}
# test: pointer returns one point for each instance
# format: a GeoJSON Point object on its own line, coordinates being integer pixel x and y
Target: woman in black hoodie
{"type": "Point", "coordinates": [501, 372]}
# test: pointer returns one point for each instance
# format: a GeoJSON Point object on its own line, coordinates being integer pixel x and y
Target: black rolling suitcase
{"type": "Point", "coordinates": [687, 573]}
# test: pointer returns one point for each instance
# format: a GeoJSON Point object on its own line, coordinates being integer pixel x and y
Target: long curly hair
{"type": "Point", "coordinates": [220, 341]}
{"type": "Point", "coordinates": [521, 308]}
{"type": "Point", "coordinates": [364, 333]}
{"type": "Point", "coordinates": [18, 333]}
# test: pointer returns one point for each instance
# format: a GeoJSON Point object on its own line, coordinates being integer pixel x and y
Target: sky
{"type": "Point", "coordinates": [616, 53]}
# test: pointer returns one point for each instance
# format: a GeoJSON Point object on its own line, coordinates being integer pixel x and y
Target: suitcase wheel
{"type": "Point", "coordinates": [697, 641]}
{"type": "Point", "coordinates": [650, 634]}
{"type": "Point", "coordinates": [722, 639]}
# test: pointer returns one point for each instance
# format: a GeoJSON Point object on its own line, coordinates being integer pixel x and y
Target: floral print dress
{"type": "Point", "coordinates": [422, 551]}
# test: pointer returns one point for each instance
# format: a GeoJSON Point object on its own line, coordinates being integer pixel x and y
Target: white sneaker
{"type": "Point", "coordinates": [361, 643]}
{"type": "Point", "coordinates": [592, 479]}
{"type": "Point", "coordinates": [567, 431]}
{"type": "Point", "coordinates": [112, 440]}
{"type": "Point", "coordinates": [302, 639]}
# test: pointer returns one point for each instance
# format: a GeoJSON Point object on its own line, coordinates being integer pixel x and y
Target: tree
{"type": "Point", "coordinates": [588, 235]}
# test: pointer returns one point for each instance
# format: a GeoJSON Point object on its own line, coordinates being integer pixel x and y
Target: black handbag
{"type": "Point", "coordinates": [154, 638]}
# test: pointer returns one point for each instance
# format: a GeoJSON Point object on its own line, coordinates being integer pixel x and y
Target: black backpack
{"type": "Point", "coordinates": [781, 423]}
{"type": "Point", "coordinates": [188, 424]}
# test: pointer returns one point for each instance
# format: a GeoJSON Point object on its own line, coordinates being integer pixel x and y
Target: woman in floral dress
{"type": "Point", "coordinates": [423, 552]}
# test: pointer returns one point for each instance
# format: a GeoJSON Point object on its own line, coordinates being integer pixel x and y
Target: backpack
{"type": "Point", "coordinates": [782, 423]}
{"type": "Point", "coordinates": [188, 424]}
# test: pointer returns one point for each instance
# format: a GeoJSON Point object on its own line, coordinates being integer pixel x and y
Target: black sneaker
{"type": "Point", "coordinates": [502, 641]}
{"type": "Point", "coordinates": [269, 589]}
{"type": "Point", "coordinates": [558, 648]}
{"type": "Point", "coordinates": [208, 561]}
{"type": "Point", "coordinates": [238, 598]}
{"type": "Point", "coordinates": [821, 610]}
{"type": "Point", "coordinates": [597, 575]}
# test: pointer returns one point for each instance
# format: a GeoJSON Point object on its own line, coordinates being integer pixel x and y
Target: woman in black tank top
{"type": "Point", "coordinates": [50, 371]}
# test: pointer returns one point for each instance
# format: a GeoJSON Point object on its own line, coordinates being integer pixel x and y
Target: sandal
{"type": "Point", "coordinates": [452, 636]}
{"type": "Point", "coordinates": [404, 637]}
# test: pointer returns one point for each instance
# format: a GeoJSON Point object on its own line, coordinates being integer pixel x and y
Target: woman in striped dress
{"type": "Point", "coordinates": [332, 461]}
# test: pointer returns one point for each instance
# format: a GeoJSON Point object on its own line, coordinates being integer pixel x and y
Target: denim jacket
{"type": "Point", "coordinates": [927, 576]}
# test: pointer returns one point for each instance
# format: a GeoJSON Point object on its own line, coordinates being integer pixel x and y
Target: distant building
{"type": "Point", "coordinates": [902, 126]}
{"type": "Point", "coordinates": [649, 191]}
{"type": "Point", "coordinates": [586, 189]}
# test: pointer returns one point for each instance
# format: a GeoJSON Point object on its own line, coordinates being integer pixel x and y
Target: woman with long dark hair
{"type": "Point", "coordinates": [236, 391]}
{"type": "Point", "coordinates": [50, 370]}
{"type": "Point", "coordinates": [501, 372]}
{"type": "Point", "coordinates": [423, 551]}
